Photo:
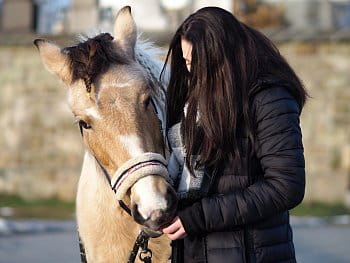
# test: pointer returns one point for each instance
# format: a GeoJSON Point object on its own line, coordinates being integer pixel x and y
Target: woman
{"type": "Point", "coordinates": [233, 117]}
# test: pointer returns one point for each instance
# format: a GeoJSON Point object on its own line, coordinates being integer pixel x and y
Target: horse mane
{"type": "Point", "coordinates": [92, 57]}
{"type": "Point", "coordinates": [148, 56]}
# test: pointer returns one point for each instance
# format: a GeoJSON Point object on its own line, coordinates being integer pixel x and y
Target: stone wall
{"type": "Point", "coordinates": [324, 69]}
{"type": "Point", "coordinates": [41, 150]}
{"type": "Point", "coordinates": [40, 144]}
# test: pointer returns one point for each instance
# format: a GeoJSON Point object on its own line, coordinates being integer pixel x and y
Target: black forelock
{"type": "Point", "coordinates": [93, 57]}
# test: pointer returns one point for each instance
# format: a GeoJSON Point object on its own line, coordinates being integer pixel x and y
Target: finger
{"type": "Point", "coordinates": [172, 228]}
{"type": "Point", "coordinates": [177, 235]}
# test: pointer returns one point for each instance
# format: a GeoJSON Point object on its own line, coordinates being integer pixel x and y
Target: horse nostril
{"type": "Point", "coordinates": [156, 214]}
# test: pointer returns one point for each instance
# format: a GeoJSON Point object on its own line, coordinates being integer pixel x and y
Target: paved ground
{"type": "Point", "coordinates": [324, 244]}
{"type": "Point", "coordinates": [319, 244]}
{"type": "Point", "coordinates": [39, 248]}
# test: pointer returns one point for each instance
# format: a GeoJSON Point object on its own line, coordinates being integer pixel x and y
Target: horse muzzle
{"type": "Point", "coordinates": [155, 201]}
{"type": "Point", "coordinates": [156, 216]}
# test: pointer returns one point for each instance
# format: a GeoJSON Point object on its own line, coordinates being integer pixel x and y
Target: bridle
{"type": "Point", "coordinates": [126, 176]}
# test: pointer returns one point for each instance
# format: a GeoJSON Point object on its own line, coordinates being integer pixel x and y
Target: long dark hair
{"type": "Point", "coordinates": [230, 63]}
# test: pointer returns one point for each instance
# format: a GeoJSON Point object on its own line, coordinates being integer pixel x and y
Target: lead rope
{"type": "Point", "coordinates": [82, 251]}
{"type": "Point", "coordinates": [141, 242]}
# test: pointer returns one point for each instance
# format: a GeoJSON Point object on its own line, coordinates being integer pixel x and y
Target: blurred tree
{"type": "Point", "coordinates": [259, 14]}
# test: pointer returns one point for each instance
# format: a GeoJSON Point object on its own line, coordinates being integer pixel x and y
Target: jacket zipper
{"type": "Point", "coordinates": [245, 244]}
{"type": "Point", "coordinates": [205, 249]}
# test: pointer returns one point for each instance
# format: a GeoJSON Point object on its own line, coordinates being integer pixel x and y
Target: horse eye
{"type": "Point", "coordinates": [84, 125]}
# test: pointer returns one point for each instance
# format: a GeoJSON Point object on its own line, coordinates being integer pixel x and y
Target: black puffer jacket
{"type": "Point", "coordinates": [245, 218]}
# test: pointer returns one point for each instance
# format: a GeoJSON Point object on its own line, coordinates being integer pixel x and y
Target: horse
{"type": "Point", "coordinates": [118, 102]}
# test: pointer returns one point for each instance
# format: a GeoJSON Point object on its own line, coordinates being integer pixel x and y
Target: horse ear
{"type": "Point", "coordinates": [125, 30]}
{"type": "Point", "coordinates": [54, 60]}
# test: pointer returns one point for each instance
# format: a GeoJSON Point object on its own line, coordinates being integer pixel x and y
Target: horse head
{"type": "Point", "coordinates": [110, 96]}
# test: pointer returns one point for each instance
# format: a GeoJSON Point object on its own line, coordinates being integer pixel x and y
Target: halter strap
{"type": "Point", "coordinates": [136, 168]}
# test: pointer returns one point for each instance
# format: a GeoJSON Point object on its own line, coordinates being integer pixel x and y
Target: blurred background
{"type": "Point", "coordinates": [40, 147]}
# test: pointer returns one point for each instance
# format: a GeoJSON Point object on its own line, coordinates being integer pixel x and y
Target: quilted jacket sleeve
{"type": "Point", "coordinates": [280, 152]}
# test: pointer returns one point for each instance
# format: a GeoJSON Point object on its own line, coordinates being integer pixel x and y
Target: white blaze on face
{"type": "Point", "coordinates": [92, 112]}
{"type": "Point", "coordinates": [117, 85]}
{"type": "Point", "coordinates": [123, 85]}
{"type": "Point", "coordinates": [150, 198]}
{"type": "Point", "coordinates": [131, 144]}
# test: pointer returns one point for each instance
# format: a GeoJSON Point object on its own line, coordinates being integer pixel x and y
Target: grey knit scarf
{"type": "Point", "coordinates": [188, 186]}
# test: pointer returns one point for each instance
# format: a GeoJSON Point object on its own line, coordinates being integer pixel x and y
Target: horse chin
{"type": "Point", "coordinates": [158, 225]}
{"type": "Point", "coordinates": [152, 233]}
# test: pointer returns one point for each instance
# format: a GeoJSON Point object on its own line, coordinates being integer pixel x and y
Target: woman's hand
{"type": "Point", "coordinates": [175, 230]}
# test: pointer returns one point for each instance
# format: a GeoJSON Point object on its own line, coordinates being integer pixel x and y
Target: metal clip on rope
{"type": "Point", "coordinates": [146, 253]}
